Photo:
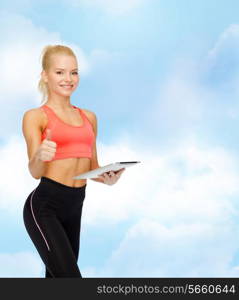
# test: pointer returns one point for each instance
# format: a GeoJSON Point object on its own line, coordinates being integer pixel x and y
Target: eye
{"type": "Point", "coordinates": [75, 73]}
{"type": "Point", "coordinates": [58, 72]}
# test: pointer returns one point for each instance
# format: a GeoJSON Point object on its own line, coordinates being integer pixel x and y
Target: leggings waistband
{"type": "Point", "coordinates": [61, 185]}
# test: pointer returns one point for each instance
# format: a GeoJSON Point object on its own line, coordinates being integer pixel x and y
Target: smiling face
{"type": "Point", "coordinates": [62, 77]}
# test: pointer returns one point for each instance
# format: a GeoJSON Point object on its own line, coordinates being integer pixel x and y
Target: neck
{"type": "Point", "coordinates": [59, 102]}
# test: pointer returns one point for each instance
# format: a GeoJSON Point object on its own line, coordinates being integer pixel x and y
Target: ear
{"type": "Point", "coordinates": [44, 76]}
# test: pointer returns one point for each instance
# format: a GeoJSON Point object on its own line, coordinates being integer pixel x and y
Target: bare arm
{"type": "Point", "coordinates": [37, 152]}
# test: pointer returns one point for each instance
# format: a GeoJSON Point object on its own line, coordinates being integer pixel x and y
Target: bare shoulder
{"type": "Point", "coordinates": [90, 115]}
{"type": "Point", "coordinates": [35, 116]}
{"type": "Point", "coordinates": [34, 112]}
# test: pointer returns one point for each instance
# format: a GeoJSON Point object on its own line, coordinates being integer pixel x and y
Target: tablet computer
{"type": "Point", "coordinates": [107, 168]}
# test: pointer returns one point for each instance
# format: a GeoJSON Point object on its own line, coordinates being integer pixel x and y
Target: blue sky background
{"type": "Point", "coordinates": [162, 77]}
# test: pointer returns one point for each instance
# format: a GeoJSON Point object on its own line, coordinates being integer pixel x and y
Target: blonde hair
{"type": "Point", "coordinates": [45, 63]}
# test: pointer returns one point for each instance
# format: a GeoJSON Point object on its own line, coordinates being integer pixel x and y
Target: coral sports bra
{"type": "Point", "coordinates": [72, 141]}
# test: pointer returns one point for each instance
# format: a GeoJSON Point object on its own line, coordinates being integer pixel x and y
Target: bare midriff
{"type": "Point", "coordinates": [62, 170]}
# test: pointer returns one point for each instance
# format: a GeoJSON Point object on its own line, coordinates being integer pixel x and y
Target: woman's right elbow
{"type": "Point", "coordinates": [35, 176]}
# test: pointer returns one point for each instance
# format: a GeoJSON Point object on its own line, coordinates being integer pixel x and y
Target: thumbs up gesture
{"type": "Point", "coordinates": [47, 148]}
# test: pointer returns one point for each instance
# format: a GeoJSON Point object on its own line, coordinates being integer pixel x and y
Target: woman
{"type": "Point", "coordinates": [61, 143]}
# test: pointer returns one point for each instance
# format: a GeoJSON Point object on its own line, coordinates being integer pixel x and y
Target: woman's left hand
{"type": "Point", "coordinates": [111, 177]}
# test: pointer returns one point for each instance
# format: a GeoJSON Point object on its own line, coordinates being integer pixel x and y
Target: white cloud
{"type": "Point", "coordinates": [184, 205]}
{"type": "Point", "coordinates": [154, 250]}
{"type": "Point", "coordinates": [228, 39]}
{"type": "Point", "coordinates": [178, 185]}
{"type": "Point", "coordinates": [16, 182]}
{"type": "Point", "coordinates": [21, 264]}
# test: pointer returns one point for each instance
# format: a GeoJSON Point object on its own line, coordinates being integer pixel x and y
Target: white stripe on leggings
{"type": "Point", "coordinates": [36, 221]}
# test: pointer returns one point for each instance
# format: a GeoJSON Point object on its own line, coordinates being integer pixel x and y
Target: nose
{"type": "Point", "coordinates": [67, 77]}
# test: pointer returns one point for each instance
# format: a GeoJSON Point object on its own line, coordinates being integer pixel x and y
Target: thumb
{"type": "Point", "coordinates": [48, 134]}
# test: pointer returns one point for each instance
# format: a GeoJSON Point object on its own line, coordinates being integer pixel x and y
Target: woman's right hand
{"type": "Point", "coordinates": [47, 149]}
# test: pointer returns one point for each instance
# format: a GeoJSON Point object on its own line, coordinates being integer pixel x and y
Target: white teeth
{"type": "Point", "coordinates": [67, 86]}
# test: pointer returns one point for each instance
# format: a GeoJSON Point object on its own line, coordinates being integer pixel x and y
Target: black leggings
{"type": "Point", "coordinates": [52, 217]}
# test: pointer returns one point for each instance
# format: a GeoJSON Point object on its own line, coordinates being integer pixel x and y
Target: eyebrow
{"type": "Point", "coordinates": [64, 69]}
